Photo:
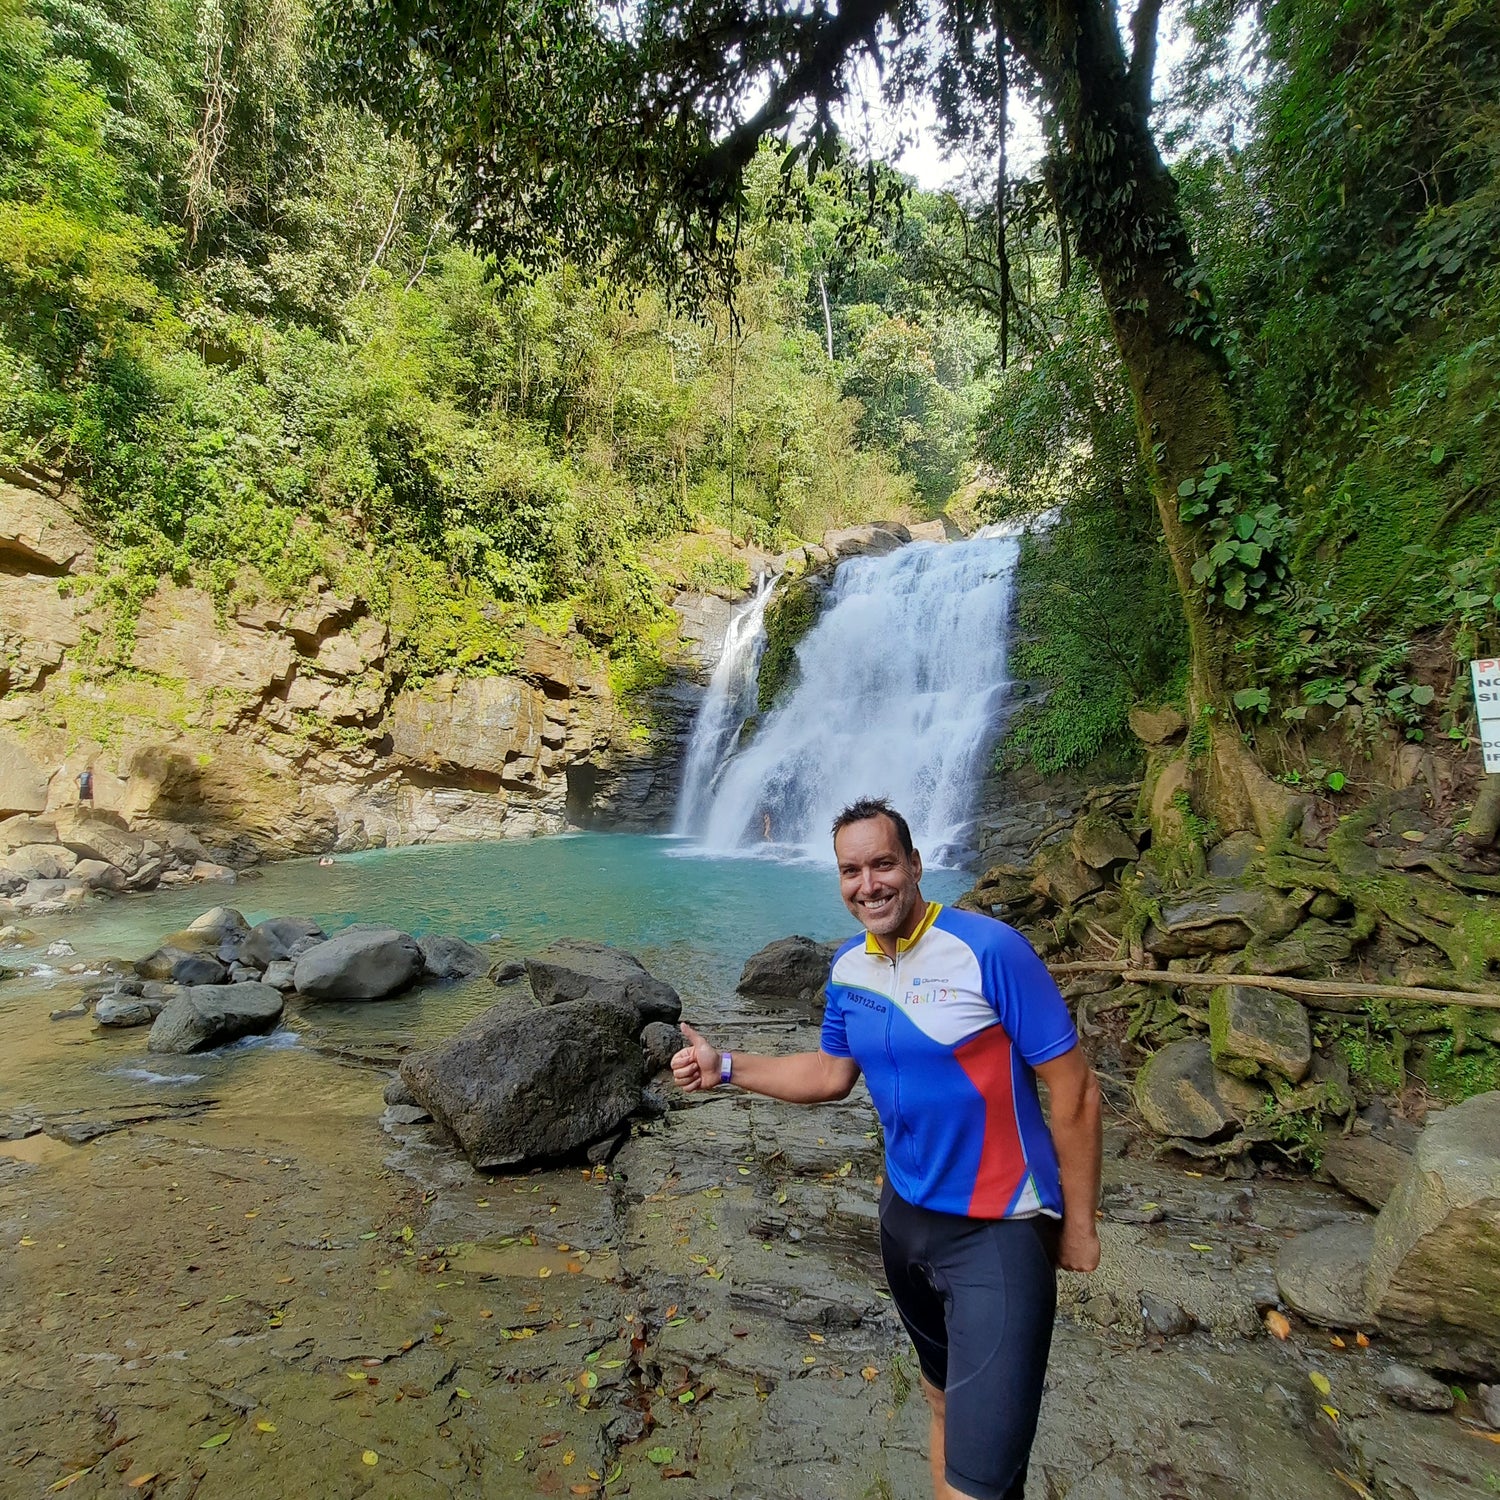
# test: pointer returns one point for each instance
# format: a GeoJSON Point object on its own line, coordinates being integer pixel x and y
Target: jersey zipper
{"type": "Point", "coordinates": [890, 1053]}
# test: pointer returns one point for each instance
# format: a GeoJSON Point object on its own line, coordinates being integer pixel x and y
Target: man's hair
{"type": "Point", "coordinates": [876, 807]}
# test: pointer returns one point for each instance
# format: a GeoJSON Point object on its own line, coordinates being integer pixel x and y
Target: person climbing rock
{"type": "Point", "coordinates": [86, 786]}
{"type": "Point", "coordinates": [952, 1017]}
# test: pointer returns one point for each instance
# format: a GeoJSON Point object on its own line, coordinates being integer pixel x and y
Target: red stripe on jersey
{"type": "Point", "coordinates": [986, 1060]}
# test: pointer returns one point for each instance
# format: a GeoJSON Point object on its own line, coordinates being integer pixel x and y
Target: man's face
{"type": "Point", "coordinates": [879, 883]}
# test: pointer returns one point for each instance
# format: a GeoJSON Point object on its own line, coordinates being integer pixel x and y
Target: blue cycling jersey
{"type": "Point", "coordinates": [947, 1034]}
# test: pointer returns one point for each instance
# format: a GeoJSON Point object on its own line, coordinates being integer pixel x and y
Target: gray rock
{"type": "Point", "coordinates": [221, 921]}
{"type": "Point", "coordinates": [1219, 921]}
{"type": "Point", "coordinates": [451, 958]}
{"type": "Point", "coordinates": [147, 874]}
{"type": "Point", "coordinates": [791, 970]}
{"type": "Point", "coordinates": [1489, 1404]}
{"type": "Point", "coordinates": [1231, 856]}
{"type": "Point", "coordinates": [1157, 726]}
{"type": "Point", "coordinates": [507, 970]}
{"type": "Point", "coordinates": [42, 861]}
{"type": "Point", "coordinates": [525, 1087]}
{"type": "Point", "coordinates": [404, 1114]}
{"type": "Point", "coordinates": [99, 876]}
{"type": "Point", "coordinates": [396, 1092]}
{"type": "Point", "coordinates": [209, 1015]}
{"type": "Point", "coordinates": [1365, 1166]}
{"type": "Point", "coordinates": [160, 989]}
{"type": "Point", "coordinates": [1415, 1389]}
{"type": "Point", "coordinates": [127, 1010]}
{"type": "Point", "coordinates": [573, 969]}
{"type": "Point", "coordinates": [1060, 876]}
{"type": "Point", "coordinates": [280, 975]}
{"type": "Point", "coordinates": [1321, 1274]}
{"type": "Point", "coordinates": [308, 943]}
{"type": "Point", "coordinates": [199, 968]}
{"type": "Point", "coordinates": [360, 963]}
{"type": "Point", "coordinates": [1160, 1316]}
{"type": "Point", "coordinates": [1181, 1094]}
{"type": "Point", "coordinates": [1434, 1279]}
{"type": "Point", "coordinates": [1099, 841]}
{"type": "Point", "coordinates": [661, 1043]}
{"type": "Point", "coordinates": [159, 965]}
{"type": "Point", "coordinates": [1311, 949]}
{"type": "Point", "coordinates": [241, 973]}
{"type": "Point", "coordinates": [1251, 1029]}
{"type": "Point", "coordinates": [273, 939]}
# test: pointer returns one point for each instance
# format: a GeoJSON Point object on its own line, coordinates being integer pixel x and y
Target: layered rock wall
{"type": "Point", "coordinates": [283, 729]}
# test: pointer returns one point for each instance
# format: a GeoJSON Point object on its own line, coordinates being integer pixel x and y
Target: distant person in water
{"type": "Point", "coordinates": [86, 786]}
{"type": "Point", "coordinates": [765, 825]}
{"type": "Point", "coordinates": [326, 859]}
{"type": "Point", "coordinates": [952, 1017]}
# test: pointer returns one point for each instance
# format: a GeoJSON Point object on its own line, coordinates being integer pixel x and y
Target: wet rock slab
{"type": "Point", "coordinates": [207, 1016]}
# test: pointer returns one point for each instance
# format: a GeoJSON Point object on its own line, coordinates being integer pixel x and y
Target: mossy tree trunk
{"type": "Point", "coordinates": [1118, 200]}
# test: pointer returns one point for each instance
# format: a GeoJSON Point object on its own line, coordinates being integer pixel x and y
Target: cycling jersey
{"type": "Point", "coordinates": [947, 1034]}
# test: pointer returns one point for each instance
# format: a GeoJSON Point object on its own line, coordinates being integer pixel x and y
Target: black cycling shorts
{"type": "Point", "coordinates": [978, 1298]}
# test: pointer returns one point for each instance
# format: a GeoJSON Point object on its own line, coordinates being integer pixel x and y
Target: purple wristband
{"type": "Point", "coordinates": [726, 1066]}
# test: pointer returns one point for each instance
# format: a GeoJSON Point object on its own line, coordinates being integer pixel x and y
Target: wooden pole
{"type": "Point", "coordinates": [1312, 990]}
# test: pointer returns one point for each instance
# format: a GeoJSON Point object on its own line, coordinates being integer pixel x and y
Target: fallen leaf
{"type": "Point", "coordinates": [356, 1375]}
{"type": "Point", "coordinates": [1193, 1245]}
{"type": "Point", "coordinates": [588, 1380]}
{"type": "Point", "coordinates": [809, 1359]}
{"type": "Point", "coordinates": [371, 1235]}
{"type": "Point", "coordinates": [1279, 1324]}
{"type": "Point", "coordinates": [463, 1395]}
{"type": "Point", "coordinates": [265, 1427]}
{"type": "Point", "coordinates": [817, 1338]}
{"type": "Point", "coordinates": [1332, 1411]}
{"type": "Point", "coordinates": [217, 1441]}
{"type": "Point", "coordinates": [141, 1479]}
{"type": "Point", "coordinates": [1354, 1485]}
{"type": "Point", "coordinates": [545, 1272]}
{"type": "Point", "coordinates": [370, 1456]}
{"type": "Point", "coordinates": [1320, 1383]}
{"type": "Point", "coordinates": [610, 1364]}
{"type": "Point", "coordinates": [582, 1489]}
{"type": "Point", "coordinates": [687, 1398]}
{"type": "Point", "coordinates": [672, 1311]}
{"type": "Point", "coordinates": [570, 1457]}
{"type": "Point", "coordinates": [72, 1478]}
{"type": "Point", "coordinates": [869, 1372]}
{"type": "Point", "coordinates": [1363, 1340]}
{"type": "Point", "coordinates": [1337, 1342]}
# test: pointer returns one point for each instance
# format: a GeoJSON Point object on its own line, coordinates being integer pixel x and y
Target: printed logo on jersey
{"type": "Point", "coordinates": [928, 992]}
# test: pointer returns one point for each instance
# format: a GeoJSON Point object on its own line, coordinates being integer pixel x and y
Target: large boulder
{"type": "Point", "coordinates": [1321, 1274]}
{"type": "Point", "coordinates": [792, 970]}
{"type": "Point", "coordinates": [574, 969]}
{"type": "Point", "coordinates": [1365, 1166]}
{"type": "Point", "coordinates": [1311, 949]}
{"type": "Point", "coordinates": [23, 783]}
{"type": "Point", "coordinates": [120, 1009]}
{"type": "Point", "coordinates": [872, 540]}
{"type": "Point", "coordinates": [1157, 726]}
{"type": "Point", "coordinates": [274, 938]}
{"type": "Point", "coordinates": [221, 921]}
{"type": "Point", "coordinates": [1251, 1029]}
{"type": "Point", "coordinates": [1099, 841]}
{"type": "Point", "coordinates": [1220, 920]}
{"type": "Point", "coordinates": [42, 861]}
{"type": "Point", "coordinates": [1060, 876]}
{"type": "Point", "coordinates": [451, 958]}
{"type": "Point", "coordinates": [360, 963]}
{"type": "Point", "coordinates": [1434, 1279]}
{"type": "Point", "coordinates": [210, 1015]}
{"type": "Point", "coordinates": [519, 1086]}
{"type": "Point", "coordinates": [1181, 1094]}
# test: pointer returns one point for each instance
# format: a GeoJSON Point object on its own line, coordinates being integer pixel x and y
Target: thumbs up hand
{"type": "Point", "coordinates": [697, 1065]}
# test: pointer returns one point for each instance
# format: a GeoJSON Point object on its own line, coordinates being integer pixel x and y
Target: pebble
{"type": "Point", "coordinates": [1415, 1389]}
{"type": "Point", "coordinates": [1165, 1318]}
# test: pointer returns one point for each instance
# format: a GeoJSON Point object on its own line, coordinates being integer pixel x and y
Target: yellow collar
{"type": "Point", "coordinates": [903, 944]}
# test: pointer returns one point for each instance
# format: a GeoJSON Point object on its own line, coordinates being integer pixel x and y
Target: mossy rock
{"type": "Point", "coordinates": [1252, 1029]}
{"type": "Point", "coordinates": [1309, 950]}
{"type": "Point", "coordinates": [1180, 1093]}
{"type": "Point", "coordinates": [791, 614]}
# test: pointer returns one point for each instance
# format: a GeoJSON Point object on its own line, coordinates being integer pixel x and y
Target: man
{"type": "Point", "coordinates": [951, 1017]}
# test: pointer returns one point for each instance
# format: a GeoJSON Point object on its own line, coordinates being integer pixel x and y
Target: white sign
{"type": "Point", "coordinates": [1487, 702]}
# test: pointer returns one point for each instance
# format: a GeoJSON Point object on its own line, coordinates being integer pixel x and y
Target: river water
{"type": "Point", "coordinates": [690, 917]}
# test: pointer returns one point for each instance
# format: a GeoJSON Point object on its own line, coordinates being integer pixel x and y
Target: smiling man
{"type": "Point", "coordinates": [952, 1017]}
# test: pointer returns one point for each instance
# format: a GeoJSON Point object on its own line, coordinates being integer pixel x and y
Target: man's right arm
{"type": "Point", "coordinates": [799, 1077]}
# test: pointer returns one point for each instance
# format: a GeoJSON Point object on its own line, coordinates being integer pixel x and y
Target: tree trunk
{"type": "Point", "coordinates": [1121, 204]}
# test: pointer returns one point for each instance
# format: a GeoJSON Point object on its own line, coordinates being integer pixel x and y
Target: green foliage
{"type": "Point", "coordinates": [792, 611]}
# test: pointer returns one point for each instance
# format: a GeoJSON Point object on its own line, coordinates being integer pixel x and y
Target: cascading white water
{"type": "Point", "coordinates": [899, 693]}
{"type": "Point", "coordinates": [727, 704]}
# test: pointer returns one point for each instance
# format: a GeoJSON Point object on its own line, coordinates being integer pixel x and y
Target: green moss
{"type": "Point", "coordinates": [1455, 1067]}
{"type": "Point", "coordinates": [792, 612]}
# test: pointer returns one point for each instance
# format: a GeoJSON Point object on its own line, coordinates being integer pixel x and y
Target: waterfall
{"type": "Point", "coordinates": [727, 704]}
{"type": "Point", "coordinates": [899, 693]}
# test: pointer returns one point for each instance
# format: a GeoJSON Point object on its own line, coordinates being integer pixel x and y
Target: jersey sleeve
{"type": "Point", "coordinates": [834, 1040]}
{"type": "Point", "coordinates": [1027, 999]}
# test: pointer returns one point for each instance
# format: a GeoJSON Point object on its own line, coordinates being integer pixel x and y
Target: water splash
{"type": "Point", "coordinates": [900, 691]}
{"type": "Point", "coordinates": [726, 706]}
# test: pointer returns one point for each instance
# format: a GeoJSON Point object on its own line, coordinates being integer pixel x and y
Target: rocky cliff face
{"type": "Point", "coordinates": [279, 729]}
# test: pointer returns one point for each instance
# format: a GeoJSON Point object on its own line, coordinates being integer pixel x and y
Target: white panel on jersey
{"type": "Point", "coordinates": [937, 983]}
{"type": "Point", "coordinates": [1029, 1202]}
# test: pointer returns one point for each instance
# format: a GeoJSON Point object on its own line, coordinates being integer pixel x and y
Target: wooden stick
{"type": "Point", "coordinates": [1312, 989]}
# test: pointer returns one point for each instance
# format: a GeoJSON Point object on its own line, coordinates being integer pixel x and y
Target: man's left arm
{"type": "Point", "coordinates": [1077, 1133]}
